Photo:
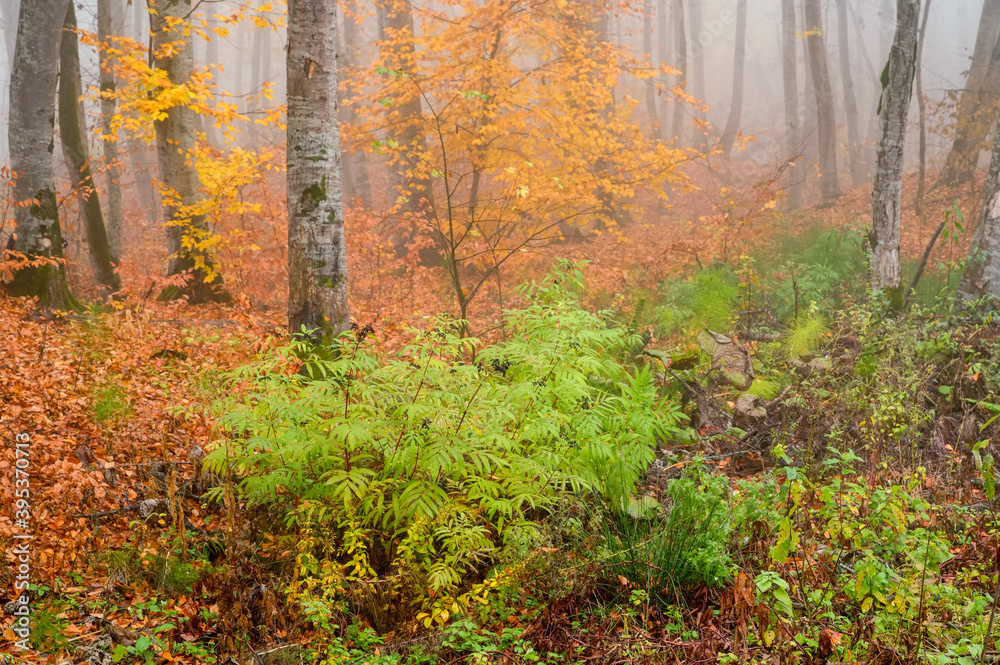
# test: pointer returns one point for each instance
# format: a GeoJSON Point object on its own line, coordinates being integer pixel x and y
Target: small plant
{"type": "Point", "coordinates": [110, 403]}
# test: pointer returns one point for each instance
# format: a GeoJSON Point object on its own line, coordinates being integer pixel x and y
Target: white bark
{"type": "Point", "coordinates": [33, 82]}
{"type": "Point", "coordinates": [317, 261]}
{"type": "Point", "coordinates": [982, 269]}
{"type": "Point", "coordinates": [887, 187]}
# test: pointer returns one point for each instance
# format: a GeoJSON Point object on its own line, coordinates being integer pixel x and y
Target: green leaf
{"type": "Point", "coordinates": [119, 653]}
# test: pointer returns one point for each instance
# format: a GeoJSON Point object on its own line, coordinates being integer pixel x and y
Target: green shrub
{"type": "Point", "coordinates": [110, 403]}
{"type": "Point", "coordinates": [424, 465]}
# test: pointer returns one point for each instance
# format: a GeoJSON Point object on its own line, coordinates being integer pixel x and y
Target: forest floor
{"type": "Point", "coordinates": [115, 409]}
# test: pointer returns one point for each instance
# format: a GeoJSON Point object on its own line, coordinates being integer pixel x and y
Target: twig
{"type": "Point", "coordinates": [922, 265]}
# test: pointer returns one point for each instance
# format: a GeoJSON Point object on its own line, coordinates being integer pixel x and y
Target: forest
{"type": "Point", "coordinates": [557, 332]}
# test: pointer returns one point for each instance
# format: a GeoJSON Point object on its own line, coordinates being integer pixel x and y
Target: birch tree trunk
{"type": "Point", "coordinates": [175, 143]}
{"type": "Point", "coordinates": [736, 106]}
{"type": "Point", "coordinates": [75, 150]}
{"type": "Point", "coordinates": [970, 128]}
{"type": "Point", "coordinates": [854, 161]}
{"type": "Point", "coordinates": [33, 81]}
{"type": "Point", "coordinates": [317, 261]}
{"type": "Point", "coordinates": [790, 81]}
{"type": "Point", "coordinates": [886, 191]}
{"type": "Point", "coordinates": [107, 84]}
{"type": "Point", "coordinates": [826, 125]}
{"type": "Point", "coordinates": [982, 269]}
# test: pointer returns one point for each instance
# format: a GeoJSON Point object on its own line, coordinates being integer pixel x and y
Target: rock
{"type": "Point", "coordinates": [749, 411]}
{"type": "Point", "coordinates": [153, 507]}
{"type": "Point", "coordinates": [728, 358]}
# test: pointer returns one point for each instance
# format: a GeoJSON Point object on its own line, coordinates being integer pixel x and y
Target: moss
{"type": "Point", "coordinates": [313, 195]}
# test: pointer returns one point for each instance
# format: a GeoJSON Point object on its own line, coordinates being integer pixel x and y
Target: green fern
{"type": "Point", "coordinates": [765, 389]}
{"type": "Point", "coordinates": [805, 334]}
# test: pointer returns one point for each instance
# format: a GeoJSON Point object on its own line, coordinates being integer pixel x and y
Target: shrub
{"type": "Point", "coordinates": [684, 548]}
{"type": "Point", "coordinates": [425, 465]}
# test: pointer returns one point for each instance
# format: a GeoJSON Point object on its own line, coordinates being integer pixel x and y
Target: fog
{"type": "Point", "coordinates": [249, 56]}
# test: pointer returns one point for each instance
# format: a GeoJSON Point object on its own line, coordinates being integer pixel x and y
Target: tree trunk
{"type": "Point", "coordinates": [790, 80]}
{"type": "Point", "coordinates": [887, 187]}
{"type": "Point", "coordinates": [826, 125]}
{"type": "Point", "coordinates": [970, 126]}
{"type": "Point", "coordinates": [138, 152]}
{"type": "Point", "coordinates": [317, 262]}
{"type": "Point", "coordinates": [75, 150]}
{"type": "Point", "coordinates": [736, 107]}
{"type": "Point", "coordinates": [918, 204]}
{"type": "Point", "coordinates": [697, 79]}
{"type": "Point", "coordinates": [110, 142]}
{"type": "Point", "coordinates": [982, 269]}
{"type": "Point", "coordinates": [854, 160]}
{"type": "Point", "coordinates": [257, 58]}
{"type": "Point", "coordinates": [419, 192]}
{"type": "Point", "coordinates": [175, 143]}
{"type": "Point", "coordinates": [680, 63]}
{"type": "Point", "coordinates": [357, 181]}
{"type": "Point", "coordinates": [664, 49]}
{"type": "Point", "coordinates": [647, 49]}
{"type": "Point", "coordinates": [33, 80]}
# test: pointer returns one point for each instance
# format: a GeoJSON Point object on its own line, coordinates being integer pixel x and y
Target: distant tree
{"type": "Point", "coordinates": [736, 103]}
{"type": "Point", "coordinates": [918, 204]}
{"type": "Point", "coordinates": [144, 167]}
{"type": "Point", "coordinates": [357, 181]}
{"type": "Point", "coordinates": [826, 125]}
{"type": "Point", "coordinates": [75, 149]}
{"type": "Point", "coordinates": [175, 143]}
{"type": "Point", "coordinates": [696, 80]}
{"type": "Point", "coordinates": [887, 188]}
{"type": "Point", "coordinates": [982, 269]}
{"type": "Point", "coordinates": [680, 63]}
{"type": "Point", "coordinates": [790, 81]}
{"type": "Point", "coordinates": [854, 160]}
{"type": "Point", "coordinates": [106, 11]}
{"type": "Point", "coordinates": [33, 79]}
{"type": "Point", "coordinates": [652, 107]}
{"type": "Point", "coordinates": [317, 262]}
{"type": "Point", "coordinates": [973, 118]}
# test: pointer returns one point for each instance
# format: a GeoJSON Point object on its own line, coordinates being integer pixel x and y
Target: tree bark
{"type": "Point", "coordinates": [357, 181]}
{"type": "Point", "coordinates": [110, 142]}
{"type": "Point", "coordinates": [854, 161]}
{"type": "Point", "coordinates": [418, 188]}
{"type": "Point", "coordinates": [317, 262]}
{"type": "Point", "coordinates": [790, 81]}
{"type": "Point", "coordinates": [647, 49]}
{"type": "Point", "coordinates": [75, 150]}
{"type": "Point", "coordinates": [697, 79]}
{"type": "Point", "coordinates": [142, 164]}
{"type": "Point", "coordinates": [886, 192]}
{"type": "Point", "coordinates": [33, 81]}
{"type": "Point", "coordinates": [826, 125]}
{"type": "Point", "coordinates": [175, 143]}
{"type": "Point", "coordinates": [982, 269]}
{"type": "Point", "coordinates": [970, 126]}
{"type": "Point", "coordinates": [681, 64]}
{"type": "Point", "coordinates": [736, 106]}
{"type": "Point", "coordinates": [918, 204]}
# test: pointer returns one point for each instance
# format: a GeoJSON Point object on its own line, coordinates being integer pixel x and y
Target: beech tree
{"type": "Point", "coordinates": [854, 162]}
{"type": "Point", "coordinates": [317, 262]}
{"type": "Point", "coordinates": [918, 204]}
{"type": "Point", "coordinates": [33, 79]}
{"type": "Point", "coordinates": [739, 56]}
{"type": "Point", "coordinates": [981, 84]}
{"type": "Point", "coordinates": [175, 143]}
{"type": "Point", "coordinates": [982, 269]}
{"type": "Point", "coordinates": [106, 11]}
{"type": "Point", "coordinates": [680, 63]}
{"type": "Point", "coordinates": [826, 125]}
{"type": "Point", "coordinates": [790, 81]}
{"type": "Point", "coordinates": [887, 188]}
{"type": "Point", "coordinates": [71, 133]}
